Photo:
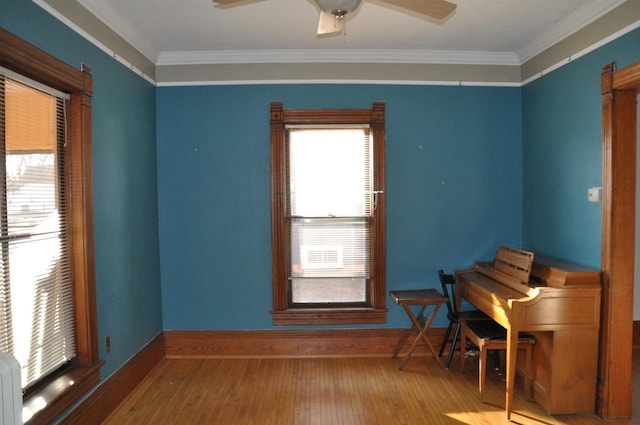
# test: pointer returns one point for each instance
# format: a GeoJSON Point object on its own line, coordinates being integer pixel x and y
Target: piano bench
{"type": "Point", "coordinates": [489, 335]}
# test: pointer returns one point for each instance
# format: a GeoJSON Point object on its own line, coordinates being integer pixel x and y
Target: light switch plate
{"type": "Point", "coordinates": [594, 194]}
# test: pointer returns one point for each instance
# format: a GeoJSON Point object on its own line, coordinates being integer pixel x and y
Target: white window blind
{"type": "Point", "coordinates": [329, 205]}
{"type": "Point", "coordinates": [36, 309]}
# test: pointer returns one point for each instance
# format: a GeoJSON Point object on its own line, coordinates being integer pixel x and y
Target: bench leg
{"type": "Point", "coordinates": [482, 371]}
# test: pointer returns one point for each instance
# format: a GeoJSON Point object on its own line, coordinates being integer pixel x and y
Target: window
{"type": "Point", "coordinates": [34, 266]}
{"type": "Point", "coordinates": [47, 288]}
{"type": "Point", "coordinates": [328, 215]}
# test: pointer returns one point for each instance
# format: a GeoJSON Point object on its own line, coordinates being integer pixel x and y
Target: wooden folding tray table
{"type": "Point", "coordinates": [422, 298]}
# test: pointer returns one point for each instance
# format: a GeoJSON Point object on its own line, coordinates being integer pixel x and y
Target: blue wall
{"type": "Point", "coordinates": [562, 148]}
{"type": "Point", "coordinates": [453, 189]}
{"type": "Point", "coordinates": [125, 185]}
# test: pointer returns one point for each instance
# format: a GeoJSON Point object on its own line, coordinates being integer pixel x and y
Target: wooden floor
{"type": "Point", "coordinates": [330, 391]}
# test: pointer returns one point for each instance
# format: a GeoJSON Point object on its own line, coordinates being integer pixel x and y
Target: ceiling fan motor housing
{"type": "Point", "coordinates": [338, 7]}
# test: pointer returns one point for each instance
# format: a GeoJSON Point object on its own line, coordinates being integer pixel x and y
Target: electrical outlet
{"type": "Point", "coordinates": [108, 344]}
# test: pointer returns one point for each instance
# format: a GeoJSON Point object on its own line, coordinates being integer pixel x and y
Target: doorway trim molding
{"type": "Point", "coordinates": [619, 91]}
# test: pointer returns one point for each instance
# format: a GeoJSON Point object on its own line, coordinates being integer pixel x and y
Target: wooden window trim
{"type": "Point", "coordinates": [60, 391]}
{"type": "Point", "coordinates": [282, 314]}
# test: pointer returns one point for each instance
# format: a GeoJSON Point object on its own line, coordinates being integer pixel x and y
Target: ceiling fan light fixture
{"type": "Point", "coordinates": [332, 12]}
{"type": "Point", "coordinates": [338, 7]}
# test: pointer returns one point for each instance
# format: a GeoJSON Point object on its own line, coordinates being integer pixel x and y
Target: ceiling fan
{"type": "Point", "coordinates": [332, 12]}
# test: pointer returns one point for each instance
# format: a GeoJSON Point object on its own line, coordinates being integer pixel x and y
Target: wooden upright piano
{"type": "Point", "coordinates": [560, 305]}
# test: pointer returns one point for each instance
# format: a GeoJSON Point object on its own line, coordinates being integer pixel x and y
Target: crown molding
{"type": "Point", "coordinates": [107, 14]}
{"type": "Point", "coordinates": [581, 53]}
{"type": "Point", "coordinates": [105, 47]}
{"type": "Point", "coordinates": [573, 23]}
{"type": "Point", "coordinates": [324, 81]}
{"type": "Point", "coordinates": [337, 56]}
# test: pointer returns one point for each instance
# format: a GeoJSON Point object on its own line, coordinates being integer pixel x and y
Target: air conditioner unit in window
{"type": "Point", "coordinates": [10, 390]}
{"type": "Point", "coordinates": [322, 257]}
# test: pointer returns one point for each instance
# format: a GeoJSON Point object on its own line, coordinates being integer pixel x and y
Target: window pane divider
{"type": "Point", "coordinates": [324, 126]}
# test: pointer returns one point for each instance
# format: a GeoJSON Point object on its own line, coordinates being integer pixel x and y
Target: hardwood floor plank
{"type": "Point", "coordinates": [326, 391]}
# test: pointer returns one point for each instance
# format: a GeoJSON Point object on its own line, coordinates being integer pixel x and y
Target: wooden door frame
{"type": "Point", "coordinates": [619, 91]}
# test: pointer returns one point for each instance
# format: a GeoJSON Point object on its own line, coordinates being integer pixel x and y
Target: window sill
{"type": "Point", "coordinates": [332, 316]}
{"type": "Point", "coordinates": [48, 401]}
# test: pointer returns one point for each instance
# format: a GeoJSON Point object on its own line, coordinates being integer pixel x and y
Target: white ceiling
{"type": "Point", "coordinates": [479, 31]}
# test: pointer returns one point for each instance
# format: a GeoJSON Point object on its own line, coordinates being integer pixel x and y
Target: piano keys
{"type": "Point", "coordinates": [559, 303]}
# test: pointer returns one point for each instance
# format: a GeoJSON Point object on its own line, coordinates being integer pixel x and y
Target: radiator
{"type": "Point", "coordinates": [10, 390]}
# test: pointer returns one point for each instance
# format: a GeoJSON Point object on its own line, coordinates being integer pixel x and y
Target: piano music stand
{"type": "Point", "coordinates": [423, 298]}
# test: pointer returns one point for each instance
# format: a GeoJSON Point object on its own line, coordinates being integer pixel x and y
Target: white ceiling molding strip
{"type": "Point", "coordinates": [337, 56]}
{"type": "Point", "coordinates": [372, 82]}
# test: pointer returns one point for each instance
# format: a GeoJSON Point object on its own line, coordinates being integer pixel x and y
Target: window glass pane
{"type": "Point", "coordinates": [333, 290]}
{"type": "Point", "coordinates": [330, 172]}
{"type": "Point", "coordinates": [31, 194]}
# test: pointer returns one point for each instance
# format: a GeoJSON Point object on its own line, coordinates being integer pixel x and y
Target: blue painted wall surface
{"type": "Point", "coordinates": [562, 148]}
{"type": "Point", "coordinates": [453, 189]}
{"type": "Point", "coordinates": [125, 184]}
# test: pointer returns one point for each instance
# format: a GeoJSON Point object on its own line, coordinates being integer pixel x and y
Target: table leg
{"type": "Point", "coordinates": [408, 332]}
{"type": "Point", "coordinates": [422, 330]}
{"type": "Point", "coordinates": [427, 325]}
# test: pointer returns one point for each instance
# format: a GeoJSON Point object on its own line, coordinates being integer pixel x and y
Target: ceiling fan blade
{"type": "Point", "coordinates": [329, 24]}
{"type": "Point", "coordinates": [437, 9]}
